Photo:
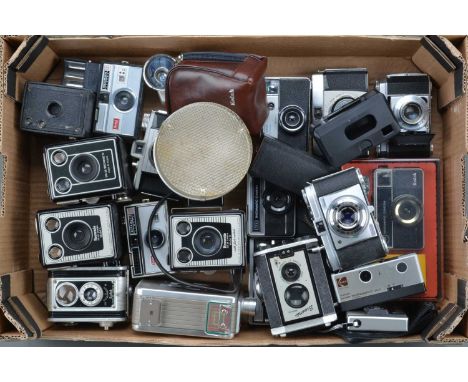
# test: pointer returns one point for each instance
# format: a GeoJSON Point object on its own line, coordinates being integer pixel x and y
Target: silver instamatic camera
{"type": "Point", "coordinates": [92, 295]}
{"type": "Point", "coordinates": [294, 287]}
{"type": "Point", "coordinates": [409, 96]}
{"type": "Point", "coordinates": [207, 241]}
{"type": "Point", "coordinates": [167, 308]}
{"type": "Point", "coordinates": [344, 219]}
{"type": "Point", "coordinates": [119, 100]}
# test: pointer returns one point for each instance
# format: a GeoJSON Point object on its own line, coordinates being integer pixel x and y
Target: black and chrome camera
{"type": "Point", "coordinates": [139, 239]}
{"type": "Point", "coordinates": [334, 88]}
{"type": "Point", "coordinates": [81, 74]}
{"type": "Point", "coordinates": [91, 295]}
{"type": "Point", "coordinates": [399, 206]}
{"type": "Point", "coordinates": [344, 219]}
{"type": "Point", "coordinates": [294, 287]}
{"type": "Point", "coordinates": [80, 235]}
{"type": "Point", "coordinates": [119, 100]}
{"type": "Point", "coordinates": [288, 103]}
{"type": "Point", "coordinates": [207, 241]}
{"type": "Point", "coordinates": [271, 211]}
{"type": "Point", "coordinates": [146, 179]}
{"type": "Point", "coordinates": [409, 96]}
{"type": "Point", "coordinates": [87, 169]}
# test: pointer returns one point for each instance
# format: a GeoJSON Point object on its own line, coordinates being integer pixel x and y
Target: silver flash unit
{"type": "Point", "coordinates": [379, 282]}
{"type": "Point", "coordinates": [376, 319]}
{"type": "Point", "coordinates": [92, 295]}
{"type": "Point", "coordinates": [294, 287]}
{"type": "Point", "coordinates": [167, 308]}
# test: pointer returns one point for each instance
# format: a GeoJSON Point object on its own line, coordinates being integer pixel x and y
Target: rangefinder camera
{"type": "Point", "coordinates": [140, 240]}
{"type": "Point", "coordinates": [207, 241]}
{"type": "Point", "coordinates": [271, 211]}
{"type": "Point", "coordinates": [288, 103]}
{"type": "Point", "coordinates": [81, 235]}
{"type": "Point", "coordinates": [376, 319]}
{"type": "Point", "coordinates": [167, 308]}
{"type": "Point", "coordinates": [409, 96]}
{"type": "Point", "coordinates": [379, 282]}
{"type": "Point", "coordinates": [91, 295]}
{"type": "Point", "coordinates": [399, 203]}
{"type": "Point", "coordinates": [344, 219]}
{"type": "Point", "coordinates": [86, 170]}
{"type": "Point", "coordinates": [294, 287]}
{"type": "Point", "coordinates": [119, 100]}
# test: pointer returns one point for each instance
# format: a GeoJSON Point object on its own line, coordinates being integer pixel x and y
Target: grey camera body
{"type": "Point", "coordinates": [294, 287]}
{"type": "Point", "coordinates": [136, 219]}
{"type": "Point", "coordinates": [376, 319]}
{"type": "Point", "coordinates": [167, 308]}
{"type": "Point", "coordinates": [80, 235]}
{"type": "Point", "coordinates": [91, 295]}
{"type": "Point", "coordinates": [344, 219]}
{"type": "Point", "coordinates": [379, 282]}
{"type": "Point", "coordinates": [207, 241]}
{"type": "Point", "coordinates": [409, 96]}
{"type": "Point", "coordinates": [119, 100]}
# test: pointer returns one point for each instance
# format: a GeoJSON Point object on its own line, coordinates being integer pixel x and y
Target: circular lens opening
{"type": "Point", "coordinates": [156, 238]}
{"type": "Point", "coordinates": [296, 296]}
{"type": "Point", "coordinates": [77, 235]}
{"type": "Point", "coordinates": [66, 294]}
{"type": "Point", "coordinates": [124, 100]}
{"type": "Point", "coordinates": [207, 241]}
{"type": "Point", "coordinates": [348, 215]}
{"type": "Point", "coordinates": [365, 276]}
{"type": "Point", "coordinates": [277, 201]}
{"type": "Point", "coordinates": [52, 224]}
{"type": "Point", "coordinates": [183, 228]}
{"type": "Point", "coordinates": [55, 252]}
{"type": "Point", "coordinates": [84, 168]}
{"type": "Point", "coordinates": [292, 118]}
{"type": "Point", "coordinates": [290, 272]}
{"type": "Point", "coordinates": [341, 102]}
{"type": "Point", "coordinates": [54, 109]}
{"type": "Point", "coordinates": [184, 256]}
{"type": "Point", "coordinates": [411, 113]}
{"type": "Point", "coordinates": [402, 267]}
{"type": "Point", "coordinates": [91, 294]}
{"type": "Point", "coordinates": [407, 210]}
{"type": "Point", "coordinates": [59, 157]}
{"type": "Point", "coordinates": [63, 185]}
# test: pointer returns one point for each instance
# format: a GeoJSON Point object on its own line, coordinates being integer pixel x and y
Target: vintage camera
{"type": "Point", "coordinates": [81, 74]}
{"type": "Point", "coordinates": [155, 73]}
{"type": "Point", "coordinates": [294, 287]}
{"type": "Point", "coordinates": [87, 169]}
{"type": "Point", "coordinates": [376, 319]}
{"type": "Point", "coordinates": [288, 103]}
{"type": "Point", "coordinates": [119, 100]}
{"type": "Point", "coordinates": [379, 282]}
{"type": "Point", "coordinates": [80, 235]}
{"type": "Point", "coordinates": [334, 88]}
{"type": "Point", "coordinates": [409, 96]}
{"type": "Point", "coordinates": [139, 239]}
{"type": "Point", "coordinates": [207, 241]}
{"type": "Point", "coordinates": [407, 146]}
{"type": "Point", "coordinates": [399, 206]}
{"type": "Point", "coordinates": [146, 179]}
{"type": "Point", "coordinates": [57, 110]}
{"type": "Point", "coordinates": [271, 211]}
{"type": "Point", "coordinates": [344, 219]}
{"type": "Point", "coordinates": [167, 308]}
{"type": "Point", "coordinates": [91, 295]}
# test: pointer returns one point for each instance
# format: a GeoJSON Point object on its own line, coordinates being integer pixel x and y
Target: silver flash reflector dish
{"type": "Point", "coordinates": [203, 151]}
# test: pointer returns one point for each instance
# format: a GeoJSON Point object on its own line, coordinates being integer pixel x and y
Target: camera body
{"type": "Point", "coordinates": [139, 239]}
{"type": "Point", "coordinates": [379, 282]}
{"type": "Point", "coordinates": [288, 103]}
{"type": "Point", "coordinates": [92, 295]}
{"type": "Point", "coordinates": [376, 319]}
{"type": "Point", "coordinates": [204, 241]}
{"type": "Point", "coordinates": [87, 169]}
{"type": "Point", "coordinates": [167, 308]}
{"type": "Point", "coordinates": [409, 96]}
{"type": "Point", "coordinates": [334, 88]}
{"type": "Point", "coordinates": [271, 211]}
{"type": "Point", "coordinates": [399, 203]}
{"type": "Point", "coordinates": [344, 219]}
{"type": "Point", "coordinates": [119, 100]}
{"type": "Point", "coordinates": [294, 287]}
{"type": "Point", "coordinates": [80, 235]}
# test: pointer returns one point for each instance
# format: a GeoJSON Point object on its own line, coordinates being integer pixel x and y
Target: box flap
{"type": "Point", "coordinates": [445, 64]}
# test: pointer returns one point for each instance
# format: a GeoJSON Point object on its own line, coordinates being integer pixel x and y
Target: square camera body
{"type": "Point", "coordinates": [119, 100]}
{"type": "Point", "coordinates": [81, 235]}
{"type": "Point", "coordinates": [87, 169]}
{"type": "Point", "coordinates": [207, 240]}
{"type": "Point", "coordinates": [344, 219]}
{"type": "Point", "coordinates": [90, 294]}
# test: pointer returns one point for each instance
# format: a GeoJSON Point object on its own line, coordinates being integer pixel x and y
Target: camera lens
{"type": "Point", "coordinates": [407, 210]}
{"type": "Point", "coordinates": [84, 168]}
{"type": "Point", "coordinates": [77, 235]}
{"type": "Point", "coordinates": [277, 201]}
{"type": "Point", "coordinates": [52, 224]}
{"type": "Point", "coordinates": [55, 252]}
{"type": "Point", "coordinates": [207, 241]}
{"type": "Point", "coordinates": [411, 113]}
{"type": "Point", "coordinates": [54, 109]}
{"type": "Point", "coordinates": [365, 276]}
{"type": "Point", "coordinates": [63, 185]}
{"type": "Point", "coordinates": [341, 103]}
{"type": "Point", "coordinates": [402, 267]}
{"type": "Point", "coordinates": [292, 118]}
{"type": "Point", "coordinates": [91, 294]}
{"type": "Point", "coordinates": [59, 157]}
{"type": "Point", "coordinates": [183, 228]}
{"type": "Point", "coordinates": [296, 296]}
{"type": "Point", "coordinates": [184, 255]}
{"type": "Point", "coordinates": [290, 272]}
{"type": "Point", "coordinates": [156, 238]}
{"type": "Point", "coordinates": [66, 294]}
{"type": "Point", "coordinates": [348, 215]}
{"type": "Point", "coordinates": [124, 100]}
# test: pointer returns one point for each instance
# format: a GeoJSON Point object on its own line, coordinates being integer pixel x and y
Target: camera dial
{"type": "Point", "coordinates": [91, 294]}
{"type": "Point", "coordinates": [296, 296]}
{"type": "Point", "coordinates": [407, 210]}
{"type": "Point", "coordinates": [277, 201]}
{"type": "Point", "coordinates": [292, 118]}
{"type": "Point", "coordinates": [348, 215]}
{"type": "Point", "coordinates": [207, 241]}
